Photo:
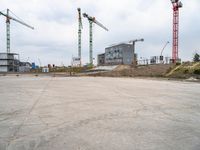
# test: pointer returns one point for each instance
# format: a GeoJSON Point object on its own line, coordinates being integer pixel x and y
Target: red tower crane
{"type": "Point", "coordinates": [176, 5]}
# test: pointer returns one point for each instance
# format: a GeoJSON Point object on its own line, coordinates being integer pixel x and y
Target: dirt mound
{"type": "Point", "coordinates": [148, 71]}
{"type": "Point", "coordinates": [122, 67]}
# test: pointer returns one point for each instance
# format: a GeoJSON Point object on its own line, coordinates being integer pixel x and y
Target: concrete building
{"type": "Point", "coordinates": [101, 59]}
{"type": "Point", "coordinates": [76, 62]}
{"type": "Point", "coordinates": [118, 54]}
{"type": "Point", "coordinates": [25, 67]}
{"type": "Point", "coordinates": [9, 62]}
{"type": "Point", "coordinates": [45, 69]}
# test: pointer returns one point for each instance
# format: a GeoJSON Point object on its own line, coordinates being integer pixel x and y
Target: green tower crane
{"type": "Point", "coordinates": [80, 27]}
{"type": "Point", "coordinates": [8, 18]}
{"type": "Point", "coordinates": [91, 21]}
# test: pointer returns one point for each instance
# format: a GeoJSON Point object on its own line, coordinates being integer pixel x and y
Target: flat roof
{"type": "Point", "coordinates": [101, 54]}
{"type": "Point", "coordinates": [10, 53]}
{"type": "Point", "coordinates": [115, 45]}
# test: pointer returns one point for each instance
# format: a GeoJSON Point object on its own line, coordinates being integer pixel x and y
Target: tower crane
{"type": "Point", "coordinates": [134, 55]}
{"type": "Point", "coordinates": [176, 5]}
{"type": "Point", "coordinates": [91, 21]}
{"type": "Point", "coordinates": [8, 18]}
{"type": "Point", "coordinates": [80, 27]}
{"type": "Point", "coordinates": [134, 41]}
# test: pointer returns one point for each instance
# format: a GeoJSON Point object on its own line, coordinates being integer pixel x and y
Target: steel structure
{"type": "Point", "coordinates": [91, 21]}
{"type": "Point", "coordinates": [133, 42]}
{"type": "Point", "coordinates": [80, 27]}
{"type": "Point", "coordinates": [176, 5]}
{"type": "Point", "coordinates": [8, 18]}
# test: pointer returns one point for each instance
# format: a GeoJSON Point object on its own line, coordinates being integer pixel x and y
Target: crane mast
{"type": "Point", "coordinates": [80, 27]}
{"type": "Point", "coordinates": [91, 21]}
{"type": "Point", "coordinates": [134, 54]}
{"type": "Point", "coordinates": [91, 42]}
{"type": "Point", "coordinates": [8, 18]}
{"type": "Point", "coordinates": [176, 5]}
{"type": "Point", "coordinates": [8, 31]}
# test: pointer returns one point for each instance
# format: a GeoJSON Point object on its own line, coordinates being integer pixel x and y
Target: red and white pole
{"type": "Point", "coordinates": [175, 43]}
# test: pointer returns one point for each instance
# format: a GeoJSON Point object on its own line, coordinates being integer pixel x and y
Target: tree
{"type": "Point", "coordinates": [196, 57]}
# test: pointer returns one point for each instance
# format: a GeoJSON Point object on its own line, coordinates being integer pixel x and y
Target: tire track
{"type": "Point", "coordinates": [67, 126]}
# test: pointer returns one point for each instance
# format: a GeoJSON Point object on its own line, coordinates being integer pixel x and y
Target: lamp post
{"type": "Point", "coordinates": [161, 54]}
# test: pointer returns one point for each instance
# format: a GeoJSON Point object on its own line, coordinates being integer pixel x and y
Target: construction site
{"type": "Point", "coordinates": [111, 94]}
{"type": "Point", "coordinates": [116, 60]}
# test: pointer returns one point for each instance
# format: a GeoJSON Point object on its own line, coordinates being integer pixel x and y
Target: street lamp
{"type": "Point", "coordinates": [164, 48]}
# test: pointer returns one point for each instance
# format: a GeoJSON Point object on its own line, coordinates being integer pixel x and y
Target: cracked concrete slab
{"type": "Point", "coordinates": [86, 113]}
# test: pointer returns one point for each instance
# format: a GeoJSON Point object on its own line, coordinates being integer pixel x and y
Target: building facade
{"type": "Point", "coordinates": [24, 67]}
{"type": "Point", "coordinates": [101, 59]}
{"type": "Point", "coordinates": [118, 54]}
{"type": "Point", "coordinates": [9, 62]}
{"type": "Point", "coordinates": [76, 62]}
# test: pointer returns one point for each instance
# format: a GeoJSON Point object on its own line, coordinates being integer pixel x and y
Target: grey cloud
{"type": "Point", "coordinates": [55, 37]}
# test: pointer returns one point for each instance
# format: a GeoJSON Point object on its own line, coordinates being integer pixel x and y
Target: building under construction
{"type": "Point", "coordinates": [117, 54]}
{"type": "Point", "coordinates": [9, 62]}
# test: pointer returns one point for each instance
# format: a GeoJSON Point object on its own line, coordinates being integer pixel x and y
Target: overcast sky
{"type": "Point", "coordinates": [54, 40]}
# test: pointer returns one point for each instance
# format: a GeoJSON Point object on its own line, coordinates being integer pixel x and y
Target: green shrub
{"type": "Point", "coordinates": [186, 71]}
{"type": "Point", "coordinates": [196, 57]}
{"type": "Point", "coordinates": [197, 71]}
{"type": "Point", "coordinates": [178, 63]}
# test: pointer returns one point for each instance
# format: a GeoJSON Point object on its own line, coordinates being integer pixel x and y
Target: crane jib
{"type": "Point", "coordinates": [9, 17]}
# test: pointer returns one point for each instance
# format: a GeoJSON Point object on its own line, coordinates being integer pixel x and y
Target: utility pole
{"type": "Point", "coordinates": [91, 21]}
{"type": "Point", "coordinates": [176, 5]}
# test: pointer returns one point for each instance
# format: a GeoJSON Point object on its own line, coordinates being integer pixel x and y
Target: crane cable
{"type": "Point", "coordinates": [17, 16]}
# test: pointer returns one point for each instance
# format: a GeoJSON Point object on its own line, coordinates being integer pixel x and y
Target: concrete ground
{"type": "Point", "coordinates": [50, 113]}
